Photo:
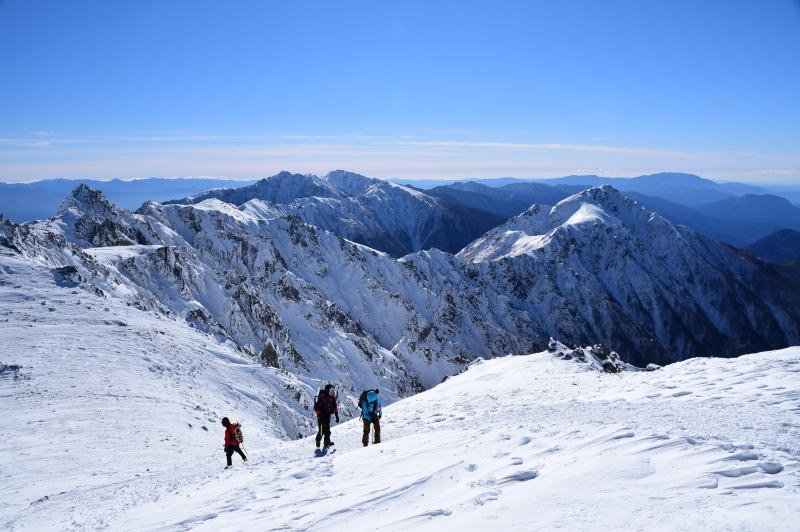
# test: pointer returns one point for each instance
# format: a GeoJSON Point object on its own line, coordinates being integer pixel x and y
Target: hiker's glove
{"type": "Point", "coordinates": [337, 417]}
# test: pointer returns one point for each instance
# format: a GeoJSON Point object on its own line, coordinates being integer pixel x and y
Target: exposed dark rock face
{"type": "Point", "coordinates": [597, 356]}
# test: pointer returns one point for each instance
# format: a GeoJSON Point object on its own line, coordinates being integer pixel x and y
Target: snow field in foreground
{"type": "Point", "coordinates": [534, 443]}
{"type": "Point", "coordinates": [98, 399]}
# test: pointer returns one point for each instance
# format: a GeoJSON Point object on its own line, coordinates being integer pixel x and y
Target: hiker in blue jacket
{"type": "Point", "coordinates": [371, 413]}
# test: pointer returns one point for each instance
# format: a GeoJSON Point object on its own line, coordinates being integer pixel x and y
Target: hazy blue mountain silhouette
{"type": "Point", "coordinates": [780, 246]}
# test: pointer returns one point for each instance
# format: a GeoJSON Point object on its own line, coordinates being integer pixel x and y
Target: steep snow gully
{"type": "Point", "coordinates": [111, 421]}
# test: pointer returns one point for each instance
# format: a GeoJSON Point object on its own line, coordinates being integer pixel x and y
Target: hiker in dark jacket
{"type": "Point", "coordinates": [371, 412]}
{"type": "Point", "coordinates": [324, 406]}
{"type": "Point", "coordinates": [231, 441]}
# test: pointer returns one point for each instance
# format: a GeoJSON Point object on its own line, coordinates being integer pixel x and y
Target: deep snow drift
{"type": "Point", "coordinates": [104, 407]}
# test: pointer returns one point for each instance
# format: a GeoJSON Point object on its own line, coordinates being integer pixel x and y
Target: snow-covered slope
{"type": "Point", "coordinates": [106, 389]}
{"type": "Point", "coordinates": [96, 395]}
{"type": "Point", "coordinates": [107, 435]}
{"type": "Point", "coordinates": [294, 296]}
{"type": "Point", "coordinates": [392, 218]}
{"type": "Point", "coordinates": [598, 267]}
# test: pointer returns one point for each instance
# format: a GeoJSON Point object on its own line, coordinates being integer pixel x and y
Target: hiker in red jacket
{"type": "Point", "coordinates": [231, 441]}
{"type": "Point", "coordinates": [324, 407]}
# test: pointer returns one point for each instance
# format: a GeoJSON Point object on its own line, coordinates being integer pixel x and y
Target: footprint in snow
{"type": "Point", "coordinates": [488, 496]}
{"type": "Point", "coordinates": [737, 472]}
{"type": "Point", "coordinates": [623, 435]}
{"type": "Point", "coordinates": [711, 483]}
{"type": "Point", "coordinates": [748, 455]}
{"type": "Point", "coordinates": [770, 468]}
{"type": "Point", "coordinates": [199, 519]}
{"type": "Point", "coordinates": [519, 476]}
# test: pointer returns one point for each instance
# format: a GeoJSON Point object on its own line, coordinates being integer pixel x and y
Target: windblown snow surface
{"type": "Point", "coordinates": [110, 420]}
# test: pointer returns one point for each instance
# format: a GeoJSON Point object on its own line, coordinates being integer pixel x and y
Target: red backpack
{"type": "Point", "coordinates": [237, 432]}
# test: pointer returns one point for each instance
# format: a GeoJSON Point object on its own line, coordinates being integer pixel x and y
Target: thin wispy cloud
{"type": "Point", "coordinates": [406, 155]}
{"type": "Point", "coordinates": [553, 146]}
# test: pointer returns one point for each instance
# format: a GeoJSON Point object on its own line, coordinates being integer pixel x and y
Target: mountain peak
{"type": "Point", "coordinates": [583, 212]}
{"type": "Point", "coordinates": [607, 198]}
{"type": "Point", "coordinates": [350, 183]}
{"type": "Point", "coordinates": [84, 199]}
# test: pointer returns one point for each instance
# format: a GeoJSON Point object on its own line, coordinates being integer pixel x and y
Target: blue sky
{"type": "Point", "coordinates": [408, 89]}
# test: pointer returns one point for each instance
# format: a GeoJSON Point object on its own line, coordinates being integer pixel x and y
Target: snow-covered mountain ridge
{"type": "Point", "coordinates": [393, 218]}
{"type": "Point", "coordinates": [596, 268]}
{"type": "Point", "coordinates": [296, 297]}
{"type": "Point", "coordinates": [630, 279]}
{"type": "Point", "coordinates": [106, 410]}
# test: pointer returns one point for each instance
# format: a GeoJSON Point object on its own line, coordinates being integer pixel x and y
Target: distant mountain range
{"type": "Point", "coordinates": [401, 219]}
{"type": "Point", "coordinates": [688, 189]}
{"type": "Point", "coordinates": [736, 220]}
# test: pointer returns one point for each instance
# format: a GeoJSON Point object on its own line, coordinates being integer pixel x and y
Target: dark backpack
{"type": "Point", "coordinates": [325, 401]}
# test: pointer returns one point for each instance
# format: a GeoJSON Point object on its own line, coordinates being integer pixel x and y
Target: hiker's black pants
{"type": "Point", "coordinates": [230, 449]}
{"type": "Point", "coordinates": [324, 424]}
